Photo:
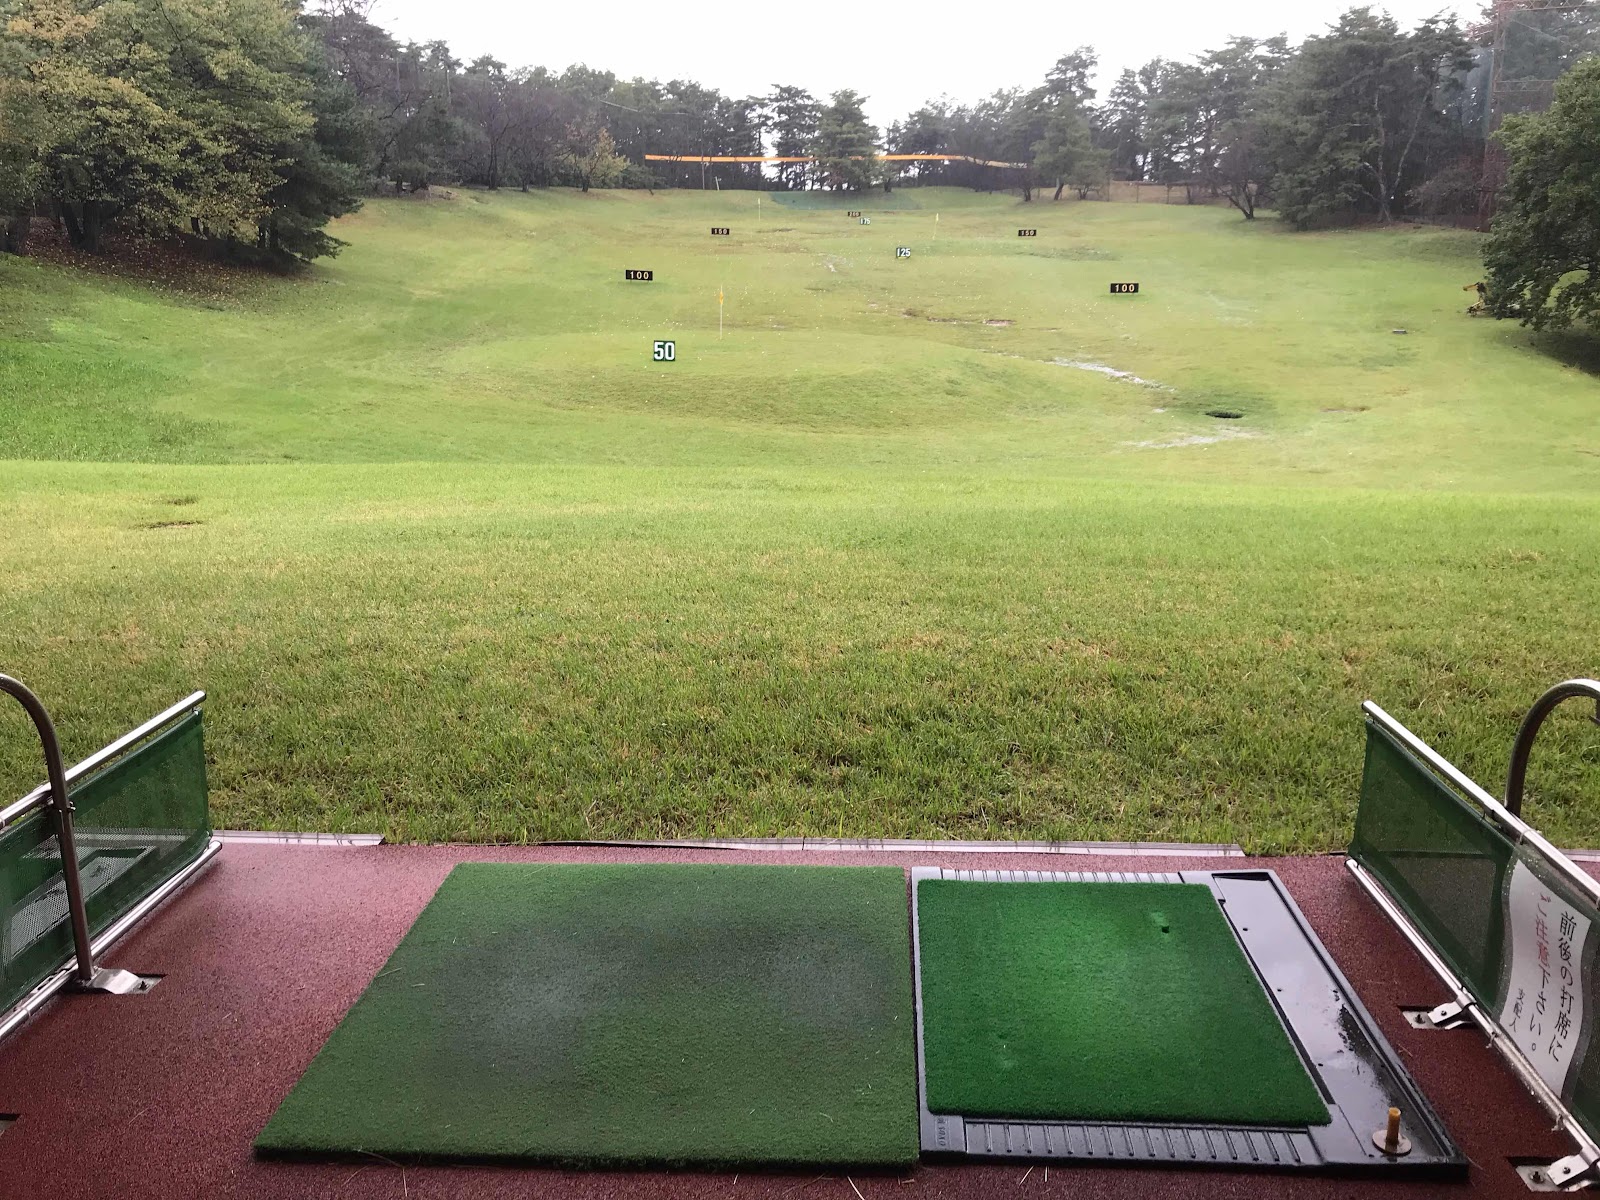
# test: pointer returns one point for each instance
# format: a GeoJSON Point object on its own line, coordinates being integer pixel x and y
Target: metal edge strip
{"type": "Point", "coordinates": [1519, 830]}
{"type": "Point", "coordinates": [894, 846]}
{"type": "Point", "coordinates": [270, 837]}
{"type": "Point", "coordinates": [35, 1000]}
{"type": "Point", "coordinates": [1485, 1021]}
{"type": "Point", "coordinates": [36, 798]}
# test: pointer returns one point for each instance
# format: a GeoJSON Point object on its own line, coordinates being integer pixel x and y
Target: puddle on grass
{"type": "Point", "coordinates": [1111, 372]}
{"type": "Point", "coordinates": [1195, 439]}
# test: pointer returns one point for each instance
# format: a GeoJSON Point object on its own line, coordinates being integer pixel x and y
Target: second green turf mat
{"type": "Point", "coordinates": [613, 1015]}
{"type": "Point", "coordinates": [1098, 1001]}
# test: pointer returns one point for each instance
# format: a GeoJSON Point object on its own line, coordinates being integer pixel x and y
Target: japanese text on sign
{"type": "Point", "coordinates": [1543, 1010]}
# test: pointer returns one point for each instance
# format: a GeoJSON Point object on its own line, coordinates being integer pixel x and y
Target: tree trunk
{"type": "Point", "coordinates": [14, 236]}
{"type": "Point", "coordinates": [93, 226]}
{"type": "Point", "coordinates": [74, 227]}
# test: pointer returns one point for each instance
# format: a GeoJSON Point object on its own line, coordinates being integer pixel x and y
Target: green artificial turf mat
{"type": "Point", "coordinates": [1099, 1001]}
{"type": "Point", "coordinates": [614, 1015]}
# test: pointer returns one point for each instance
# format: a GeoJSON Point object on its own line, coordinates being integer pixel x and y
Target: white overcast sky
{"type": "Point", "coordinates": [898, 54]}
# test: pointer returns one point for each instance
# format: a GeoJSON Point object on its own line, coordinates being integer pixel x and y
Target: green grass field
{"type": "Point", "coordinates": [455, 558]}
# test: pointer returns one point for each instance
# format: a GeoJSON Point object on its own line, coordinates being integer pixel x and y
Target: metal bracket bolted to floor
{"type": "Point", "coordinates": [113, 981]}
{"type": "Point", "coordinates": [1450, 1016]}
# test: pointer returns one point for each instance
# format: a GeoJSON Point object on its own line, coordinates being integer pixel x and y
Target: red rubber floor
{"type": "Point", "coordinates": [160, 1095]}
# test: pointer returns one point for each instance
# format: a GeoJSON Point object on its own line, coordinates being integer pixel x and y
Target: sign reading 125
{"type": "Point", "coordinates": [664, 351]}
{"type": "Point", "coordinates": [902, 251]}
{"type": "Point", "coordinates": [1124, 289]}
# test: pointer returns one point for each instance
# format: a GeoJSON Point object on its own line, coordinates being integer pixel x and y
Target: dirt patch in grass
{"type": "Point", "coordinates": [185, 265]}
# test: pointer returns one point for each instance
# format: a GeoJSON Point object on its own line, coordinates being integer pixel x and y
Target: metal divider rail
{"type": "Point", "coordinates": [1488, 902]}
{"type": "Point", "coordinates": [167, 858]}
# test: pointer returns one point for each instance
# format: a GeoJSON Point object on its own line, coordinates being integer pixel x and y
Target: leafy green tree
{"type": "Point", "coordinates": [1543, 253]}
{"type": "Point", "coordinates": [845, 144]}
{"type": "Point", "coordinates": [162, 114]}
{"type": "Point", "coordinates": [1119, 126]}
{"type": "Point", "coordinates": [24, 136]}
{"type": "Point", "coordinates": [1067, 154]}
{"type": "Point", "coordinates": [1069, 77]}
{"type": "Point", "coordinates": [794, 117]}
{"type": "Point", "coordinates": [324, 173]}
{"type": "Point", "coordinates": [592, 157]}
{"type": "Point", "coordinates": [925, 131]}
{"type": "Point", "coordinates": [1354, 113]}
{"type": "Point", "coordinates": [484, 102]}
{"type": "Point", "coordinates": [1239, 79]}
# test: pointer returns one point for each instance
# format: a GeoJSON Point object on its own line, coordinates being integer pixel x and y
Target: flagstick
{"type": "Point", "coordinates": [936, 227]}
{"type": "Point", "coordinates": [719, 311]}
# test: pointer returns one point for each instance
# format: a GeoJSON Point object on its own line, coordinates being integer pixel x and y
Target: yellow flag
{"type": "Point", "coordinates": [719, 295]}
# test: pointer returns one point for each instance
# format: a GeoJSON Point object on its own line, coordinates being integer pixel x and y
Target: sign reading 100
{"type": "Point", "coordinates": [1124, 289]}
{"type": "Point", "coordinates": [664, 351]}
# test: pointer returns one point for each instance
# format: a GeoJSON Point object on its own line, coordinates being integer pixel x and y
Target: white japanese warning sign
{"type": "Point", "coordinates": [1544, 999]}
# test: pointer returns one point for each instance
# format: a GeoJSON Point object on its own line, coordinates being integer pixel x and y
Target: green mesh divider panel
{"type": "Point", "coordinates": [35, 938]}
{"type": "Point", "coordinates": [138, 822]}
{"type": "Point", "coordinates": [141, 820]}
{"type": "Point", "coordinates": [1441, 861]}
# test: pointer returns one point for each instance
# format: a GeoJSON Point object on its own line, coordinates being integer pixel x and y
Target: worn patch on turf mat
{"type": "Point", "coordinates": [1099, 1001]}
{"type": "Point", "coordinates": [612, 1015]}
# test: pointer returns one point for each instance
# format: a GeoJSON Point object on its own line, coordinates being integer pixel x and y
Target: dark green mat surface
{"type": "Point", "coordinates": [1099, 1001]}
{"type": "Point", "coordinates": [611, 1015]}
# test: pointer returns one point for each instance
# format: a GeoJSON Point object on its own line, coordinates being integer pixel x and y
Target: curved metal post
{"type": "Point", "coordinates": [1517, 776]}
{"type": "Point", "coordinates": [61, 809]}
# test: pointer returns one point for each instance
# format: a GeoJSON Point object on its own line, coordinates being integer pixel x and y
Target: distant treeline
{"type": "Point", "coordinates": [251, 123]}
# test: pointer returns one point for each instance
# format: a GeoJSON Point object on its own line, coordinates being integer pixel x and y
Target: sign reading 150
{"type": "Point", "coordinates": [664, 351]}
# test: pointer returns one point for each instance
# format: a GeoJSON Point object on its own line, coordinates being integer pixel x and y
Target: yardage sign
{"type": "Point", "coordinates": [856, 213]}
{"type": "Point", "coordinates": [866, 220]}
{"type": "Point", "coordinates": [664, 351]}
{"type": "Point", "coordinates": [646, 276]}
{"type": "Point", "coordinates": [1027, 233]}
{"type": "Point", "coordinates": [720, 231]}
{"type": "Point", "coordinates": [1124, 289]}
{"type": "Point", "coordinates": [902, 251]}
